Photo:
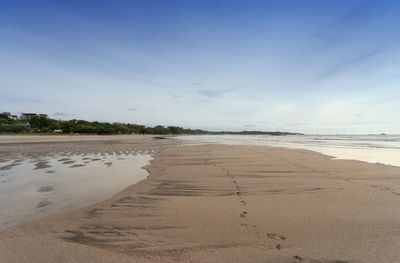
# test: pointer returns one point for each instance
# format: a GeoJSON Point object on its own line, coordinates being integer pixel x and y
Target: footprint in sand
{"type": "Point", "coordinates": [243, 214]}
{"type": "Point", "coordinates": [243, 202]}
{"type": "Point", "coordinates": [298, 258]}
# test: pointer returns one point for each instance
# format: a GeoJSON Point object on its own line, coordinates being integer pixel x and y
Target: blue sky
{"type": "Point", "coordinates": [303, 66]}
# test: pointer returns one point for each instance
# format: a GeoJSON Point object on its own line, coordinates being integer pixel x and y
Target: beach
{"type": "Point", "coordinates": [216, 203]}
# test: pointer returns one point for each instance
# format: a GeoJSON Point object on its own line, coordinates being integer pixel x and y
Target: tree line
{"type": "Point", "coordinates": [40, 124]}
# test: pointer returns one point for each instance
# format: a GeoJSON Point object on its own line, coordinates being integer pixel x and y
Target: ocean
{"type": "Point", "coordinates": [383, 149]}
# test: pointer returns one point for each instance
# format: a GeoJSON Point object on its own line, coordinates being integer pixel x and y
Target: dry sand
{"type": "Point", "coordinates": [215, 203]}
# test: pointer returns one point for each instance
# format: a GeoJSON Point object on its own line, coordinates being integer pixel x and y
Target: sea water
{"type": "Point", "coordinates": [384, 149]}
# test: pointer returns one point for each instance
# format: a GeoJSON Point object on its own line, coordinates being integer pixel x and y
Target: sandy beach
{"type": "Point", "coordinates": [217, 203]}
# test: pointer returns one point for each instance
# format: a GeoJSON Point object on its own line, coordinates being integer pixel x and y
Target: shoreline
{"type": "Point", "coordinates": [64, 138]}
{"type": "Point", "coordinates": [377, 152]}
{"type": "Point", "coordinates": [211, 218]}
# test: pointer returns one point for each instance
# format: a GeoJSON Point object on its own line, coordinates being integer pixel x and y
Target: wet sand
{"type": "Point", "coordinates": [46, 175]}
{"type": "Point", "coordinates": [215, 203]}
{"type": "Point", "coordinates": [29, 138]}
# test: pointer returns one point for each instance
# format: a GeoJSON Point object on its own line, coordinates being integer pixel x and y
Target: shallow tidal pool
{"type": "Point", "coordinates": [60, 182]}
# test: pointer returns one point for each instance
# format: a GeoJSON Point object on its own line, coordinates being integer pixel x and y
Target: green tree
{"type": "Point", "coordinates": [3, 121]}
{"type": "Point", "coordinates": [39, 122]}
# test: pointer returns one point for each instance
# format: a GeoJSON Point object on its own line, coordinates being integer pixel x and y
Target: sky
{"type": "Point", "coordinates": [309, 66]}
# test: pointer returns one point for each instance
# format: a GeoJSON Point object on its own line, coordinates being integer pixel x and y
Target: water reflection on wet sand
{"type": "Point", "coordinates": [35, 186]}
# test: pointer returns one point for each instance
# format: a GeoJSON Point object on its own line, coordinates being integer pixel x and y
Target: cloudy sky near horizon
{"type": "Point", "coordinates": [304, 66]}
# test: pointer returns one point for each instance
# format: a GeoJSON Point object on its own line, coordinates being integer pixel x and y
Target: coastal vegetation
{"type": "Point", "coordinates": [40, 124]}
